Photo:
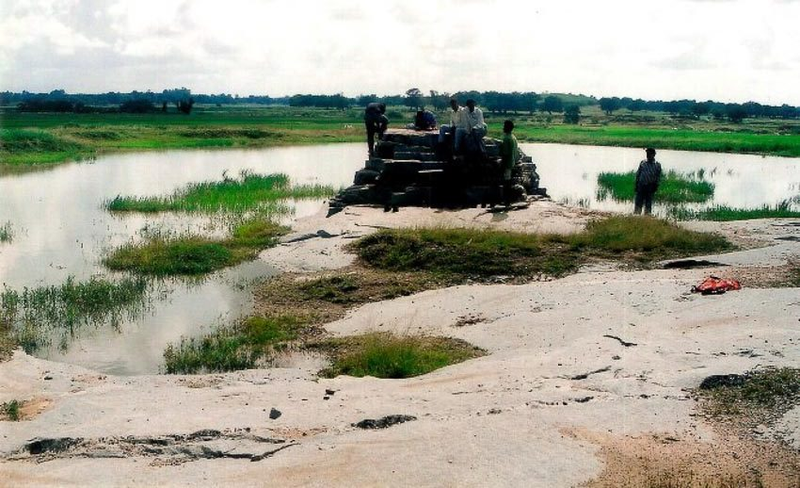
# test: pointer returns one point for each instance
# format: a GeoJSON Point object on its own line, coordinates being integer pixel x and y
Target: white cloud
{"type": "Point", "coordinates": [725, 49]}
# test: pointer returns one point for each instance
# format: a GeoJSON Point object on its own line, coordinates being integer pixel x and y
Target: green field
{"type": "Point", "coordinates": [46, 138]}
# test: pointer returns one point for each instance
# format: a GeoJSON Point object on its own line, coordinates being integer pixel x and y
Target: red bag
{"type": "Point", "coordinates": [714, 285]}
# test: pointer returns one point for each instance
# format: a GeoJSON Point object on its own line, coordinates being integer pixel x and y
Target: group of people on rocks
{"type": "Point", "coordinates": [464, 134]}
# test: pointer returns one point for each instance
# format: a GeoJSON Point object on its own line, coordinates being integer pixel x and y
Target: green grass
{"type": "Point", "coordinates": [192, 255]}
{"type": "Point", "coordinates": [723, 213]}
{"type": "Point", "coordinates": [83, 135]}
{"type": "Point", "coordinates": [26, 147]}
{"type": "Point", "coordinates": [763, 389]}
{"type": "Point", "coordinates": [389, 356]}
{"type": "Point", "coordinates": [701, 138]}
{"type": "Point", "coordinates": [674, 188]}
{"type": "Point", "coordinates": [6, 232]}
{"type": "Point", "coordinates": [25, 315]}
{"type": "Point", "coordinates": [11, 410]}
{"type": "Point", "coordinates": [241, 346]}
{"type": "Point", "coordinates": [482, 254]}
{"type": "Point", "coordinates": [249, 192]}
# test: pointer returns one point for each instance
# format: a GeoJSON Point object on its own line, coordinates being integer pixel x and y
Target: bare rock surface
{"type": "Point", "coordinates": [554, 403]}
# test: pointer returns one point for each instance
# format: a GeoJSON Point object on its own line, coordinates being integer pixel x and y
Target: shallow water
{"type": "Point", "coordinates": [741, 181]}
{"type": "Point", "coordinates": [60, 228]}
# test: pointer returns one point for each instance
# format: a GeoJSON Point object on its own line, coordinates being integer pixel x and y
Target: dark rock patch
{"type": "Point", "coordinates": [384, 422]}
{"type": "Point", "coordinates": [691, 264]}
{"type": "Point", "coordinates": [722, 380]}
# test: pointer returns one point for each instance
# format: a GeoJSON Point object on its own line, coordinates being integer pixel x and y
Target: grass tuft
{"type": "Point", "coordinates": [388, 356]}
{"type": "Point", "coordinates": [760, 390]}
{"type": "Point", "coordinates": [481, 254]}
{"type": "Point", "coordinates": [191, 255]}
{"type": "Point", "coordinates": [241, 346]}
{"type": "Point", "coordinates": [10, 410]}
{"type": "Point", "coordinates": [6, 232]}
{"type": "Point", "coordinates": [674, 188]}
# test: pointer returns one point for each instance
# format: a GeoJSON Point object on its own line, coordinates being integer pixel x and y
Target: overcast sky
{"type": "Point", "coordinates": [727, 50]}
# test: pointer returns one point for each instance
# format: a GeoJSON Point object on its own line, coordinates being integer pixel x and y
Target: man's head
{"type": "Point", "coordinates": [454, 104]}
{"type": "Point", "coordinates": [471, 105]}
{"type": "Point", "coordinates": [382, 108]}
{"type": "Point", "coordinates": [508, 126]}
{"type": "Point", "coordinates": [651, 153]}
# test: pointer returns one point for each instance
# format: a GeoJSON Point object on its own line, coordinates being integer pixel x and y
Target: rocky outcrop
{"type": "Point", "coordinates": [411, 168]}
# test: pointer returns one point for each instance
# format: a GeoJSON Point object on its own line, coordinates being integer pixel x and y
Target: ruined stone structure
{"type": "Point", "coordinates": [410, 168]}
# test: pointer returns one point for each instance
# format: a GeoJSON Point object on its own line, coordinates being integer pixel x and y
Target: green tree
{"type": "Point", "coordinates": [552, 104]}
{"type": "Point", "coordinates": [572, 114]}
{"type": "Point", "coordinates": [414, 99]}
{"type": "Point", "coordinates": [609, 104]}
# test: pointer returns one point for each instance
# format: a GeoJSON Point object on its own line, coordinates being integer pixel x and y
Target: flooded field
{"type": "Point", "coordinates": [58, 228]}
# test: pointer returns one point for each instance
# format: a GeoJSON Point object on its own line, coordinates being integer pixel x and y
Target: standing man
{"type": "Point", "coordinates": [376, 122]}
{"type": "Point", "coordinates": [648, 176]}
{"type": "Point", "coordinates": [509, 155]}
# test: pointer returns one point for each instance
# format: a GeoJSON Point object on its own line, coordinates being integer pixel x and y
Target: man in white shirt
{"type": "Point", "coordinates": [471, 124]}
{"type": "Point", "coordinates": [456, 115]}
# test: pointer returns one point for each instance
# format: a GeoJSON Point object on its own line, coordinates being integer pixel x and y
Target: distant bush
{"type": "Point", "coordinates": [138, 106]}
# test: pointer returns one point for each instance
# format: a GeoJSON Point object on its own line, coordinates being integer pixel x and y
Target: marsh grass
{"type": "Point", "coordinates": [482, 254]}
{"type": "Point", "coordinates": [384, 355]}
{"type": "Point", "coordinates": [723, 213]}
{"type": "Point", "coordinates": [25, 146]}
{"type": "Point", "coordinates": [29, 314]}
{"type": "Point", "coordinates": [768, 390]}
{"type": "Point", "coordinates": [193, 255]}
{"type": "Point", "coordinates": [10, 410]}
{"type": "Point", "coordinates": [6, 232]}
{"type": "Point", "coordinates": [248, 193]}
{"type": "Point", "coordinates": [241, 346]}
{"type": "Point", "coordinates": [674, 188]}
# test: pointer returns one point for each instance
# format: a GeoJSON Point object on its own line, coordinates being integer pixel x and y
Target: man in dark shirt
{"type": "Point", "coordinates": [376, 122]}
{"type": "Point", "coordinates": [648, 176]}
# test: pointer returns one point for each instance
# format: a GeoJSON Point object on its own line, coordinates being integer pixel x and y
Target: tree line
{"type": "Point", "coordinates": [492, 101]}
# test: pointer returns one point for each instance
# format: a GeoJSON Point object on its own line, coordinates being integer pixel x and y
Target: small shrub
{"type": "Point", "coordinates": [233, 348]}
{"type": "Point", "coordinates": [388, 356]}
{"type": "Point", "coordinates": [11, 410]}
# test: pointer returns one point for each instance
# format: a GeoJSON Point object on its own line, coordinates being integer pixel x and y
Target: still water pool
{"type": "Point", "coordinates": [61, 229]}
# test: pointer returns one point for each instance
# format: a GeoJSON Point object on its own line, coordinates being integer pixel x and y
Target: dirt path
{"type": "Point", "coordinates": [585, 376]}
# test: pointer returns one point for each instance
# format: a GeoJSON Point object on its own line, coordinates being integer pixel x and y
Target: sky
{"type": "Point", "coordinates": [724, 50]}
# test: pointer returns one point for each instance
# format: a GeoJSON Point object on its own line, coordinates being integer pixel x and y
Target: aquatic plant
{"type": "Point", "coordinates": [248, 193]}
{"type": "Point", "coordinates": [724, 213]}
{"type": "Point", "coordinates": [674, 188]}
{"type": "Point", "coordinates": [30, 313]}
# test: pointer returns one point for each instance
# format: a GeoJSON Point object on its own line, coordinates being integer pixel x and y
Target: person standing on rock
{"type": "Point", "coordinates": [648, 176]}
{"type": "Point", "coordinates": [376, 122]}
{"type": "Point", "coordinates": [509, 155]}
